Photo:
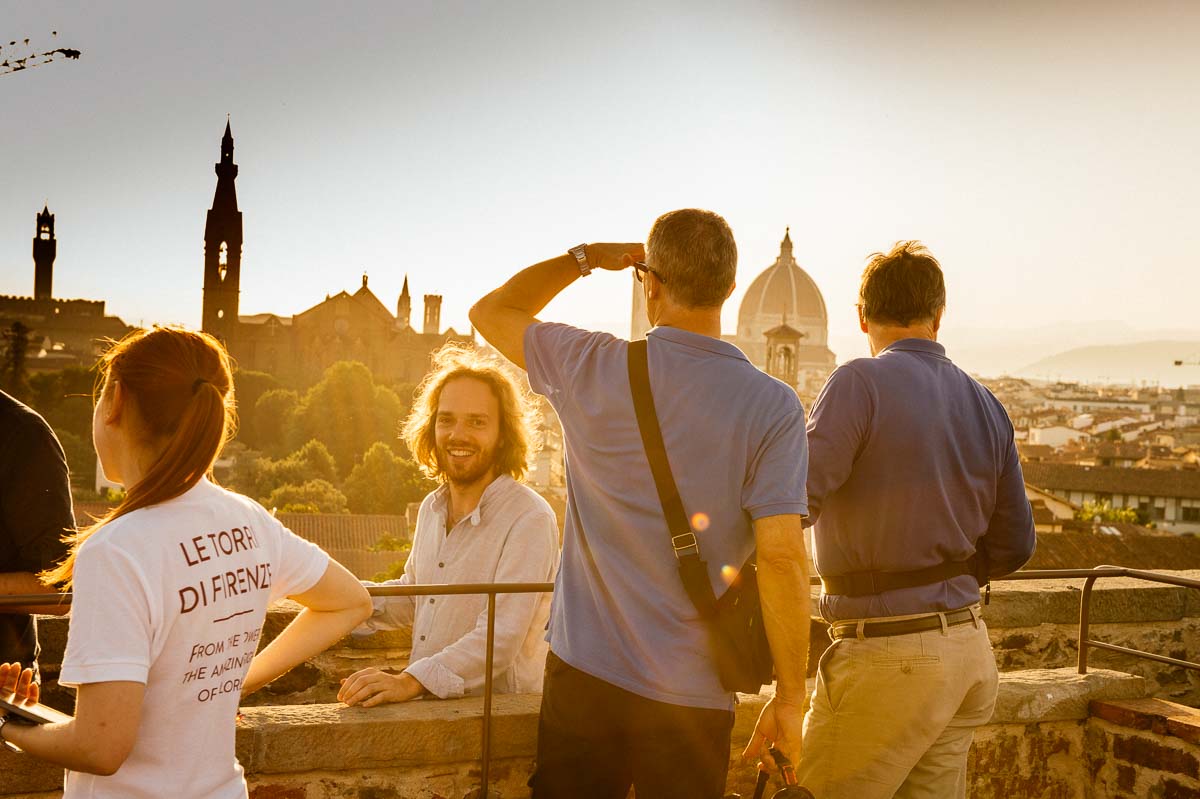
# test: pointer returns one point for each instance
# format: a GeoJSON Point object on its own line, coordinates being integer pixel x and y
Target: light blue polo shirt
{"type": "Point", "coordinates": [736, 442]}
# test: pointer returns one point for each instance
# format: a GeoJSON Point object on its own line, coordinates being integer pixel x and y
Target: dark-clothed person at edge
{"type": "Point", "coordinates": [35, 515]}
{"type": "Point", "coordinates": [918, 498]}
{"type": "Point", "coordinates": [632, 694]}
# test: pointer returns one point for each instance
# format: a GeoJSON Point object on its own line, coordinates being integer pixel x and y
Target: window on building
{"type": "Point", "coordinates": [1191, 514]}
{"type": "Point", "coordinates": [44, 233]}
{"type": "Point", "coordinates": [223, 260]}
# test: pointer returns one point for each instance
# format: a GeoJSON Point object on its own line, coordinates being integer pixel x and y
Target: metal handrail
{"type": "Point", "coordinates": [491, 589]}
{"type": "Point", "coordinates": [1089, 576]}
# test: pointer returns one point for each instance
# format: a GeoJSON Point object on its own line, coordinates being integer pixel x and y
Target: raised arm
{"type": "Point", "coordinates": [502, 316]}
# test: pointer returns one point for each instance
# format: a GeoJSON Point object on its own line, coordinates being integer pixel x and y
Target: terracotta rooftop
{"type": "Point", "coordinates": [1086, 550]}
{"type": "Point", "coordinates": [1114, 480]}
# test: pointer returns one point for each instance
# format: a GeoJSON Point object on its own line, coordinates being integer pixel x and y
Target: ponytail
{"type": "Point", "coordinates": [182, 386]}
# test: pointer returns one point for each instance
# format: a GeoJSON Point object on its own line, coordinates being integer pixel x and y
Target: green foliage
{"type": "Point", "coordinates": [273, 415]}
{"type": "Point", "coordinates": [258, 477]}
{"type": "Point", "coordinates": [71, 415]}
{"type": "Point", "coordinates": [393, 572]}
{"type": "Point", "coordinates": [14, 366]}
{"type": "Point", "coordinates": [385, 482]}
{"type": "Point", "coordinates": [348, 412]}
{"type": "Point", "coordinates": [390, 543]}
{"type": "Point", "coordinates": [313, 496]}
{"type": "Point", "coordinates": [249, 388]}
{"type": "Point", "coordinates": [1105, 512]}
{"type": "Point", "coordinates": [81, 458]}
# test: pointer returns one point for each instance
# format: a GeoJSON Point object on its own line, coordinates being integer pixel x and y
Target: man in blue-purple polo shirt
{"type": "Point", "coordinates": [632, 695]}
{"type": "Point", "coordinates": [918, 499]}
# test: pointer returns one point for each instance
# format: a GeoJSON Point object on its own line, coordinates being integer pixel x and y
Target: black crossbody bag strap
{"type": "Point", "coordinates": [692, 570]}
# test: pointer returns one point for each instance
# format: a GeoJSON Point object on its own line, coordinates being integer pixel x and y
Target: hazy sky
{"type": "Point", "coordinates": [1046, 152]}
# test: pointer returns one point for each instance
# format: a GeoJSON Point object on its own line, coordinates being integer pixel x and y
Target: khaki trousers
{"type": "Point", "coordinates": [894, 716]}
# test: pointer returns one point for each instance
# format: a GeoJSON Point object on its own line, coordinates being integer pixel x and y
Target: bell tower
{"type": "Point", "coordinates": [223, 249]}
{"type": "Point", "coordinates": [45, 247]}
{"type": "Point", "coordinates": [783, 343]}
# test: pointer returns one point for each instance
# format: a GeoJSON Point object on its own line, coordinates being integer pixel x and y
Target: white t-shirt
{"type": "Point", "coordinates": [174, 596]}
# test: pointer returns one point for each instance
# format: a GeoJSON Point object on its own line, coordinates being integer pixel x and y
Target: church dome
{"type": "Point", "coordinates": [782, 293]}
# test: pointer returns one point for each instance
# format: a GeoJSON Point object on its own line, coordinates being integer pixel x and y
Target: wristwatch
{"type": "Point", "coordinates": [4, 720]}
{"type": "Point", "coordinates": [580, 253]}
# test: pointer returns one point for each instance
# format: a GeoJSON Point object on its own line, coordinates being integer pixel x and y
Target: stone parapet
{"type": "Point", "coordinates": [430, 748]}
{"type": "Point", "coordinates": [1115, 600]}
{"type": "Point", "coordinates": [1147, 747]}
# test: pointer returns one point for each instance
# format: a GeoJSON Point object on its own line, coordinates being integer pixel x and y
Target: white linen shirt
{"type": "Point", "coordinates": [510, 537]}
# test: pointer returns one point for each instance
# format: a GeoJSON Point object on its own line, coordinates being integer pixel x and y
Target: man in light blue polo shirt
{"type": "Point", "coordinates": [632, 695]}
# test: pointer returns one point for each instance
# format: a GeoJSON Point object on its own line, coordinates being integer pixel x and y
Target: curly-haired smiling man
{"type": "Point", "coordinates": [470, 430]}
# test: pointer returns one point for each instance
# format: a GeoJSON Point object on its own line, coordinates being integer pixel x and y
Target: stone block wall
{"type": "Point", "coordinates": [1147, 747]}
{"type": "Point", "coordinates": [1036, 745]}
{"type": "Point", "coordinates": [1035, 624]}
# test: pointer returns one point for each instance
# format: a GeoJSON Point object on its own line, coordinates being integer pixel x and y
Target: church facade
{"type": "Point", "coordinates": [61, 332]}
{"type": "Point", "coordinates": [299, 347]}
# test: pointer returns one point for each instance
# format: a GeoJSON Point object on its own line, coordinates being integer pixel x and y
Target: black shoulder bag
{"type": "Point", "coordinates": [737, 636]}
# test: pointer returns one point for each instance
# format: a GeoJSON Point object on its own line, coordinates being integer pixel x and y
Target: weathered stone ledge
{"type": "Point", "coordinates": [426, 743]}
{"type": "Point", "coordinates": [1156, 715]}
{"type": "Point", "coordinates": [1028, 603]}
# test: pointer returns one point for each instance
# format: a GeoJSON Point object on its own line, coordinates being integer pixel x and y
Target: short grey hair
{"type": "Point", "coordinates": [693, 251]}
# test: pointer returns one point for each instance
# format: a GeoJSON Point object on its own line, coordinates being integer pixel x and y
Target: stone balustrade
{"type": "Point", "coordinates": [297, 744]}
{"type": "Point", "coordinates": [1037, 744]}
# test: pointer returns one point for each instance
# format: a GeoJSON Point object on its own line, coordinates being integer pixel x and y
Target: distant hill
{"type": "Point", "coordinates": [1145, 361]}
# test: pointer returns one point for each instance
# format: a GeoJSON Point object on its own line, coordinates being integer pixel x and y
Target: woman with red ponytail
{"type": "Point", "coordinates": [171, 589]}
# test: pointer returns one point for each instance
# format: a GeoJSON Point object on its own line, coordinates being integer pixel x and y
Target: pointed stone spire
{"type": "Point", "coordinates": [404, 307]}
{"type": "Point", "coordinates": [785, 247]}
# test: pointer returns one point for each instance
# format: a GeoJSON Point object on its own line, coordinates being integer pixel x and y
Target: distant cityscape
{"type": "Point", "coordinates": [1108, 459]}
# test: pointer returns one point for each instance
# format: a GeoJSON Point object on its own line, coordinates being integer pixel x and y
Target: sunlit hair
{"type": "Point", "coordinates": [902, 287]}
{"type": "Point", "coordinates": [518, 413]}
{"type": "Point", "coordinates": [181, 387]}
{"type": "Point", "coordinates": [695, 254]}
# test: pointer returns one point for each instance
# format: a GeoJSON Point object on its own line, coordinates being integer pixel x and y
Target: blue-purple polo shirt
{"type": "Point", "coordinates": [736, 443]}
{"type": "Point", "coordinates": [912, 463]}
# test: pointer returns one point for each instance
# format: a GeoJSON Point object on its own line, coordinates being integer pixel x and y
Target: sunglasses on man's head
{"type": "Point", "coordinates": [640, 266]}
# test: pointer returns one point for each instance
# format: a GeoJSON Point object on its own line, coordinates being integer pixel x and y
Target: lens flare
{"type": "Point", "coordinates": [728, 574]}
{"type": "Point", "coordinates": [700, 522]}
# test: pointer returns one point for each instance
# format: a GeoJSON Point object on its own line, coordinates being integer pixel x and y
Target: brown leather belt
{"type": "Point", "coordinates": [880, 629]}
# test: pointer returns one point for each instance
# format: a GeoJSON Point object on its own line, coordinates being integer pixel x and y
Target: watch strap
{"type": "Point", "coordinates": [579, 253]}
{"type": "Point", "coordinates": [5, 719]}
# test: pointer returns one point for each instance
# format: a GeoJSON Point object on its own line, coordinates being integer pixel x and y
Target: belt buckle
{"type": "Point", "coordinates": [689, 542]}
